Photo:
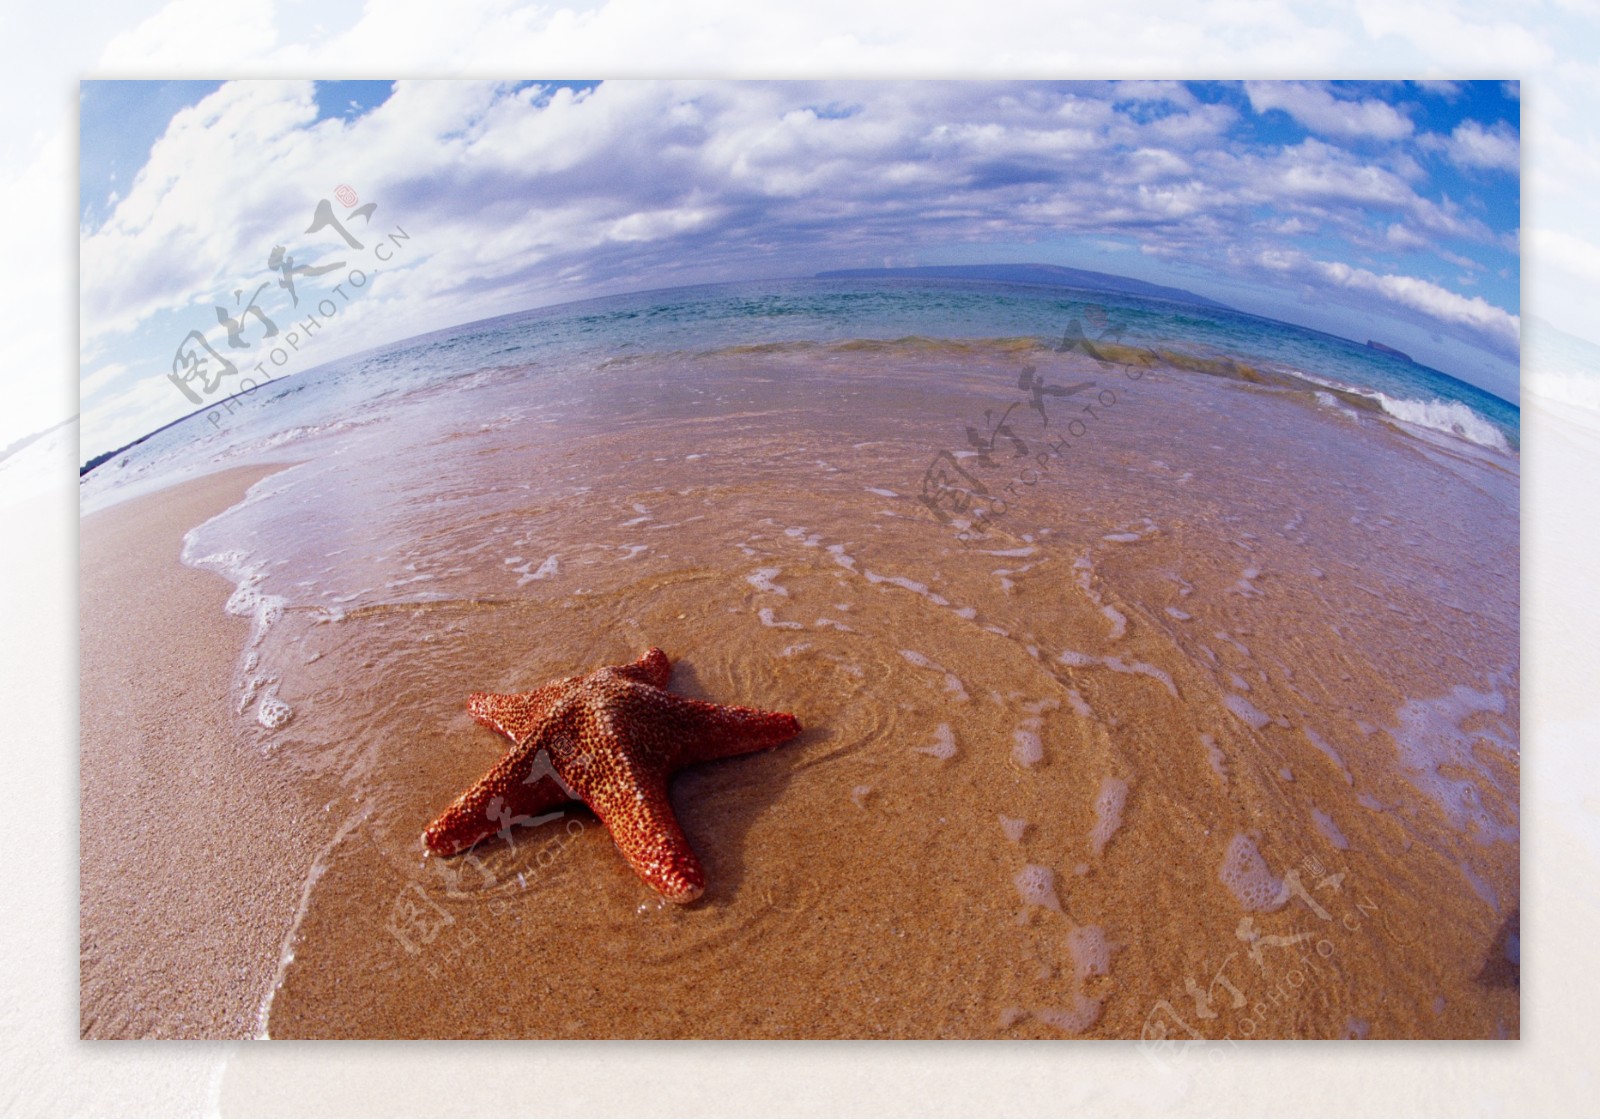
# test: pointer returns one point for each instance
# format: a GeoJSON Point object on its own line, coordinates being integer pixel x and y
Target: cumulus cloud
{"type": "Point", "coordinates": [1320, 111]}
{"type": "Point", "coordinates": [1494, 324]}
{"type": "Point", "coordinates": [1496, 148]}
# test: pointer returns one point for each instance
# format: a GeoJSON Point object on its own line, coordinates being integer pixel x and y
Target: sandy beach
{"type": "Point", "coordinates": [1212, 734]}
{"type": "Point", "coordinates": [192, 853]}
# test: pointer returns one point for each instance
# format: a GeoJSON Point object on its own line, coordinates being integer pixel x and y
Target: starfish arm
{"type": "Point", "coordinates": [516, 715]}
{"type": "Point", "coordinates": [639, 817]}
{"type": "Point", "coordinates": [702, 731]}
{"type": "Point", "coordinates": [652, 668]}
{"type": "Point", "coordinates": [504, 797]}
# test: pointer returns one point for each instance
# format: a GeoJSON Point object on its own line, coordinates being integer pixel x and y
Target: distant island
{"type": "Point", "coordinates": [1052, 275]}
{"type": "Point", "coordinates": [1391, 351]}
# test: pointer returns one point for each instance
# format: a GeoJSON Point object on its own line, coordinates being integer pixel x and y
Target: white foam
{"type": "Point", "coordinates": [761, 580]}
{"type": "Point", "coordinates": [1142, 668]}
{"type": "Point", "coordinates": [1091, 951]}
{"type": "Point", "coordinates": [1108, 805]}
{"type": "Point", "coordinates": [1083, 1014]}
{"type": "Point", "coordinates": [952, 683]}
{"type": "Point", "coordinates": [1027, 749]}
{"type": "Point", "coordinates": [1181, 616]}
{"type": "Point", "coordinates": [1330, 830]}
{"type": "Point", "coordinates": [1116, 664]}
{"type": "Point", "coordinates": [1214, 755]}
{"type": "Point", "coordinates": [910, 585]}
{"type": "Point", "coordinates": [1224, 636]}
{"type": "Point", "coordinates": [1248, 877]}
{"type": "Point", "coordinates": [1013, 827]}
{"type": "Point", "coordinates": [273, 713]}
{"type": "Point", "coordinates": [943, 745]}
{"type": "Point", "coordinates": [550, 567]}
{"type": "Point", "coordinates": [1451, 417]}
{"type": "Point", "coordinates": [1119, 622]}
{"type": "Point", "coordinates": [1322, 745]}
{"type": "Point", "coordinates": [881, 492]}
{"type": "Point", "coordinates": [1036, 884]}
{"type": "Point", "coordinates": [769, 618]}
{"type": "Point", "coordinates": [1079, 704]}
{"type": "Point", "coordinates": [1434, 736]}
{"type": "Point", "coordinates": [1245, 710]}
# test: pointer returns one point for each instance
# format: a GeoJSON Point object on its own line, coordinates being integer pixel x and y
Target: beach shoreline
{"type": "Point", "coordinates": [191, 858]}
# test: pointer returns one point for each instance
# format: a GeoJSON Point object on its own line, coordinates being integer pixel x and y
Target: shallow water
{"type": "Point", "coordinates": [1260, 613]}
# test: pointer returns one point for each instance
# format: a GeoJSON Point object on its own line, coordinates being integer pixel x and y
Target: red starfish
{"type": "Point", "coordinates": [611, 740]}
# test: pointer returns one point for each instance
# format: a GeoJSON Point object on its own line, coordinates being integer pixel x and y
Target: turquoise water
{"type": "Point", "coordinates": [569, 338]}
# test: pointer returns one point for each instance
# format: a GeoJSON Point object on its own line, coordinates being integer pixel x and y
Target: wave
{"type": "Point", "coordinates": [1452, 417]}
{"type": "Point", "coordinates": [1456, 418]}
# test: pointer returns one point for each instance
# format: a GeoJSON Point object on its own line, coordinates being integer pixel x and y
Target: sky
{"type": "Point", "coordinates": [1385, 210]}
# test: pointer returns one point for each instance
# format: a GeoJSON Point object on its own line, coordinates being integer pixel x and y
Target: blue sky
{"type": "Point", "coordinates": [1386, 210]}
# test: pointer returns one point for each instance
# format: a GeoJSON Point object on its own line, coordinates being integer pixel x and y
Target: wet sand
{"type": "Point", "coordinates": [191, 858]}
{"type": "Point", "coordinates": [1211, 733]}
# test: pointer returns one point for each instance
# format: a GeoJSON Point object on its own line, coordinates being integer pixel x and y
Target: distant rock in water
{"type": "Point", "coordinates": [1382, 349]}
{"type": "Point", "coordinates": [1051, 274]}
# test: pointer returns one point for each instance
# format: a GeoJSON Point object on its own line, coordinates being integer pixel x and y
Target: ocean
{"type": "Point", "coordinates": [567, 338]}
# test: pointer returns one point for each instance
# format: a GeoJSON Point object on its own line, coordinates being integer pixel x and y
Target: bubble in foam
{"type": "Point", "coordinates": [943, 745]}
{"type": "Point", "coordinates": [1027, 749]}
{"type": "Point", "coordinates": [1036, 884]}
{"type": "Point", "coordinates": [1013, 827]}
{"type": "Point", "coordinates": [1091, 951]}
{"type": "Point", "coordinates": [273, 713]}
{"type": "Point", "coordinates": [1108, 805]}
{"type": "Point", "coordinates": [1247, 876]}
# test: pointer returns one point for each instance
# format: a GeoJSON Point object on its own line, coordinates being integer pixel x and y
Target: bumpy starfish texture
{"type": "Point", "coordinates": [610, 739]}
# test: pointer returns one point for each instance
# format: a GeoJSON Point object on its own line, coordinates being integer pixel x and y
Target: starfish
{"type": "Point", "coordinates": [610, 739]}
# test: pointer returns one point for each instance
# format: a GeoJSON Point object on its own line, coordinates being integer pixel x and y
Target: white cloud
{"type": "Point", "coordinates": [1428, 298]}
{"type": "Point", "coordinates": [1496, 148]}
{"type": "Point", "coordinates": [1320, 111]}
